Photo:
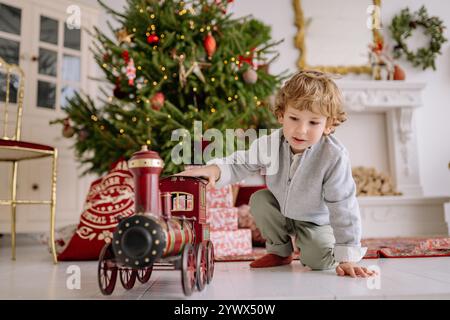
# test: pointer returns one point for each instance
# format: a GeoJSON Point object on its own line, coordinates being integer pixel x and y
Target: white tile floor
{"type": "Point", "coordinates": [33, 276]}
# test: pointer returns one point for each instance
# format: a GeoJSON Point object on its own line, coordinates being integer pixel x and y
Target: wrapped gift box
{"type": "Point", "coordinates": [219, 198]}
{"type": "Point", "coordinates": [223, 219]}
{"type": "Point", "coordinates": [228, 243]}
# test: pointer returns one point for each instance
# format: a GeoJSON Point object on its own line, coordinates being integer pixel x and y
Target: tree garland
{"type": "Point", "coordinates": [405, 23]}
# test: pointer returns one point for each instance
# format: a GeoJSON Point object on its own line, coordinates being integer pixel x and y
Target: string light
{"type": "Point", "coordinates": [202, 30]}
{"type": "Point", "coordinates": [152, 16]}
{"type": "Point", "coordinates": [121, 131]}
{"type": "Point", "coordinates": [94, 118]}
{"type": "Point", "coordinates": [147, 119]}
{"type": "Point", "coordinates": [213, 110]}
{"type": "Point", "coordinates": [225, 62]}
{"type": "Point", "coordinates": [163, 68]}
{"type": "Point", "coordinates": [194, 89]}
{"type": "Point", "coordinates": [134, 119]}
{"type": "Point", "coordinates": [149, 142]}
{"type": "Point", "coordinates": [155, 83]}
{"type": "Point", "coordinates": [236, 78]}
{"type": "Point", "coordinates": [213, 79]}
{"type": "Point", "coordinates": [230, 98]}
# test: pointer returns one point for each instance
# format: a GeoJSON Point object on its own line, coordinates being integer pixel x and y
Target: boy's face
{"type": "Point", "coordinates": [303, 128]}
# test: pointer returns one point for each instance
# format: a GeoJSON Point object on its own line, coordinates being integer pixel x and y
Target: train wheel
{"type": "Point", "coordinates": [143, 275]}
{"type": "Point", "coordinates": [107, 270]}
{"type": "Point", "coordinates": [209, 261]}
{"type": "Point", "coordinates": [188, 269]}
{"type": "Point", "coordinates": [201, 266]}
{"type": "Point", "coordinates": [128, 277]}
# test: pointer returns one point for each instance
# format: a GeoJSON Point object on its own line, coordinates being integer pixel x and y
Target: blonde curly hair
{"type": "Point", "coordinates": [314, 91]}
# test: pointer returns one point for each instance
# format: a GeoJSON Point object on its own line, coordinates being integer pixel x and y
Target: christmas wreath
{"type": "Point", "coordinates": [401, 29]}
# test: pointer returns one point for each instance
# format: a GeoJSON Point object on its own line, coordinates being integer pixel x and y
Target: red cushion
{"type": "Point", "coordinates": [109, 198]}
{"type": "Point", "coordinates": [17, 150]}
{"type": "Point", "coordinates": [243, 196]}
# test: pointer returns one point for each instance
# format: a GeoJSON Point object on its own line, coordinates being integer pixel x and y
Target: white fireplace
{"type": "Point", "coordinates": [381, 133]}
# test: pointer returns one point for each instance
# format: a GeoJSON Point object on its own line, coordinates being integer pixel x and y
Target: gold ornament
{"type": "Point", "coordinates": [123, 36]}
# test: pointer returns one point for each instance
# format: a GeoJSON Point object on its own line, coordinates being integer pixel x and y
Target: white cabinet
{"type": "Point", "coordinates": [38, 35]}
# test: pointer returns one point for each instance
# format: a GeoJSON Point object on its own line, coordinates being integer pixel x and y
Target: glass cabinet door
{"type": "Point", "coordinates": [59, 63]}
{"type": "Point", "coordinates": [48, 50]}
{"type": "Point", "coordinates": [10, 32]}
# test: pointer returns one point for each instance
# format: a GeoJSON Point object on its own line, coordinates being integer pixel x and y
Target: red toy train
{"type": "Point", "coordinates": [169, 229]}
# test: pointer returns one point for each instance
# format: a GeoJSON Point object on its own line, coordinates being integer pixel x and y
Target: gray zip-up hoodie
{"type": "Point", "coordinates": [321, 190]}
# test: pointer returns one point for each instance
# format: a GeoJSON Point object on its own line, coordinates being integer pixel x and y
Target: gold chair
{"type": "Point", "coordinates": [13, 150]}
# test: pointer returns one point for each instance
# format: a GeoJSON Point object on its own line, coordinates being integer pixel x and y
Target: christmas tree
{"type": "Point", "coordinates": [172, 63]}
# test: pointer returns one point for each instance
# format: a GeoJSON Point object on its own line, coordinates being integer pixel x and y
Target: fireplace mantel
{"type": "Point", "coordinates": [398, 100]}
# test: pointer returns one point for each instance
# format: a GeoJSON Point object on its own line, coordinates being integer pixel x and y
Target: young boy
{"type": "Point", "coordinates": [312, 195]}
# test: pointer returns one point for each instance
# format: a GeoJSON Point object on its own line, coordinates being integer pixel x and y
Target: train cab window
{"type": "Point", "coordinates": [182, 201]}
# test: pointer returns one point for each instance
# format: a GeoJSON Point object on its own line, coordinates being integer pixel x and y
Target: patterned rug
{"type": "Point", "coordinates": [416, 247]}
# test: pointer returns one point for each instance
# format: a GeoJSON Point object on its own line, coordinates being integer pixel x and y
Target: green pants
{"type": "Point", "coordinates": [315, 242]}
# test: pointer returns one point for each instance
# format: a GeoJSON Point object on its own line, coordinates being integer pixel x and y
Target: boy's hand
{"type": "Point", "coordinates": [352, 269]}
{"type": "Point", "coordinates": [211, 172]}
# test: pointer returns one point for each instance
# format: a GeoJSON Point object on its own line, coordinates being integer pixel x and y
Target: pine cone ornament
{"type": "Point", "coordinates": [82, 135]}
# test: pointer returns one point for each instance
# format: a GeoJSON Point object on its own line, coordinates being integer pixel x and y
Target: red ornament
{"type": "Point", "coordinates": [152, 39]}
{"type": "Point", "coordinates": [210, 45]}
{"type": "Point", "coordinates": [157, 101]}
{"type": "Point", "coordinates": [126, 56]}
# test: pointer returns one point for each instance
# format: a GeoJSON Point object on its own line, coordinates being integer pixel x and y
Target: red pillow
{"type": "Point", "coordinates": [110, 198]}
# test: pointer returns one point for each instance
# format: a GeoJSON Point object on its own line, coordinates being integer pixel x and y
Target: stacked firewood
{"type": "Point", "coordinates": [369, 182]}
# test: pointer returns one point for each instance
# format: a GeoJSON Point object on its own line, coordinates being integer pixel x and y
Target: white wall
{"type": "Point", "coordinates": [432, 120]}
